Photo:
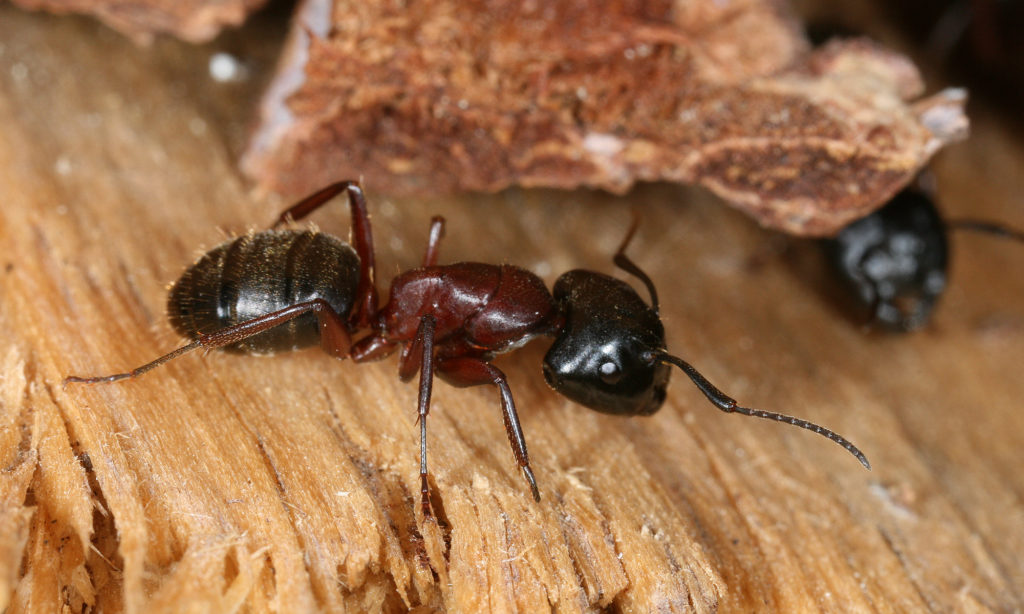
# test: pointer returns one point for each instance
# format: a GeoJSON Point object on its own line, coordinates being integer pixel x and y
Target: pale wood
{"type": "Point", "coordinates": [232, 483]}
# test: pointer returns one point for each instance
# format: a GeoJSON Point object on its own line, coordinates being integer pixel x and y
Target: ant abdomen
{"type": "Point", "coordinates": [259, 273]}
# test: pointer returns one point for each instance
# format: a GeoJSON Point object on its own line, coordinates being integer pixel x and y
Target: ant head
{"type": "Point", "coordinates": [606, 354]}
{"type": "Point", "coordinates": [895, 260]}
{"type": "Point", "coordinates": [610, 354]}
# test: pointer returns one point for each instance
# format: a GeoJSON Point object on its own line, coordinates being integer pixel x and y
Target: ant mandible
{"type": "Point", "coordinates": [281, 289]}
{"type": "Point", "coordinates": [896, 260]}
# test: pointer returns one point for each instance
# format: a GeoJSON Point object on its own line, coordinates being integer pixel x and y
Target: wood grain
{"type": "Point", "coordinates": [231, 483]}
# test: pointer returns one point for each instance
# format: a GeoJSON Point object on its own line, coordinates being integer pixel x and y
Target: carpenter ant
{"type": "Point", "coordinates": [896, 259]}
{"type": "Point", "coordinates": [282, 289]}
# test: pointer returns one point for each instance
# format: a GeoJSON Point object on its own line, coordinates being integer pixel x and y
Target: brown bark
{"type": "Point", "coordinates": [445, 96]}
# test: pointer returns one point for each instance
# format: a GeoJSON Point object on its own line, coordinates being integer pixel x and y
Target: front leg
{"type": "Point", "coordinates": [425, 341]}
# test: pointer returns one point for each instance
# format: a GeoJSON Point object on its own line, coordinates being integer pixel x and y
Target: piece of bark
{"type": "Point", "coordinates": [440, 96]}
{"type": "Point", "coordinates": [192, 20]}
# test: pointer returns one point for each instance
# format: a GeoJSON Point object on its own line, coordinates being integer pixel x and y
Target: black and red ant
{"type": "Point", "coordinates": [896, 260]}
{"type": "Point", "coordinates": [283, 289]}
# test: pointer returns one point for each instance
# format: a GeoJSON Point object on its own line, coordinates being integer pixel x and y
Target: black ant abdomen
{"type": "Point", "coordinates": [262, 292]}
{"type": "Point", "coordinates": [259, 273]}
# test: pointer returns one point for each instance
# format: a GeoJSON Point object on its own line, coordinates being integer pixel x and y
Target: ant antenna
{"type": "Point", "coordinates": [992, 228]}
{"type": "Point", "coordinates": [728, 404]}
{"type": "Point", "coordinates": [622, 261]}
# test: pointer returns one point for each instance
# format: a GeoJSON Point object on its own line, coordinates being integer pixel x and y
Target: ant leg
{"type": "Point", "coordinates": [373, 347]}
{"type": "Point", "coordinates": [434, 242]}
{"type": "Point", "coordinates": [105, 379]}
{"type": "Point", "coordinates": [362, 241]}
{"type": "Point", "coordinates": [410, 356]}
{"type": "Point", "coordinates": [312, 202]}
{"type": "Point", "coordinates": [334, 338]}
{"type": "Point", "coordinates": [474, 372]}
{"type": "Point", "coordinates": [425, 340]}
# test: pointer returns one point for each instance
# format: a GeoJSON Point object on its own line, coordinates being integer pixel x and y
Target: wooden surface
{"type": "Point", "coordinates": [231, 483]}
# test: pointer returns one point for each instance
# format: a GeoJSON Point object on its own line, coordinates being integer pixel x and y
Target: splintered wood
{"type": "Point", "coordinates": [442, 96]}
{"type": "Point", "coordinates": [290, 484]}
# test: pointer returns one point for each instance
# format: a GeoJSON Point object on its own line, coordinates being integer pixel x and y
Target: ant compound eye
{"type": "Point", "coordinates": [610, 373]}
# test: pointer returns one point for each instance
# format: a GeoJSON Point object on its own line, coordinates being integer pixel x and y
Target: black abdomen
{"type": "Point", "coordinates": [259, 273]}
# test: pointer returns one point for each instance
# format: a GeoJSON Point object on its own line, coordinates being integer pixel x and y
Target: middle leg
{"type": "Point", "coordinates": [470, 371]}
